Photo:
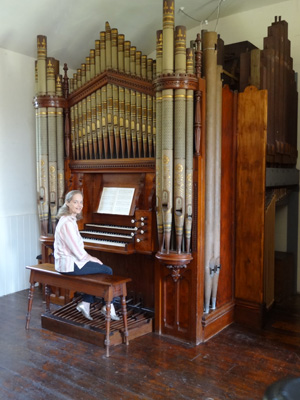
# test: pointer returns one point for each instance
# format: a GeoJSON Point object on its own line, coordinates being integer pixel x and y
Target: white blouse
{"type": "Point", "coordinates": [68, 245]}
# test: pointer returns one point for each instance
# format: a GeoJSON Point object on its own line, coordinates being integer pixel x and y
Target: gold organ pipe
{"type": "Point", "coordinates": [108, 45]}
{"type": "Point", "coordinates": [99, 123]}
{"type": "Point", "coordinates": [114, 48]}
{"type": "Point", "coordinates": [92, 63]}
{"type": "Point", "coordinates": [121, 52]}
{"type": "Point", "coordinates": [94, 125]}
{"type": "Point", "coordinates": [121, 122]}
{"type": "Point", "coordinates": [116, 120]}
{"type": "Point", "coordinates": [102, 52]}
{"type": "Point", "coordinates": [88, 68]}
{"type": "Point", "coordinates": [97, 57]}
{"type": "Point", "coordinates": [127, 45]}
{"type": "Point", "coordinates": [110, 119]}
{"type": "Point", "coordinates": [122, 119]}
{"type": "Point", "coordinates": [104, 120]}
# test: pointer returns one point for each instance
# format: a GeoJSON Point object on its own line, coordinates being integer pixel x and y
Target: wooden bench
{"type": "Point", "coordinates": [100, 285]}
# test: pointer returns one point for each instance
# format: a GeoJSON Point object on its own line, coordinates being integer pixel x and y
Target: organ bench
{"type": "Point", "coordinates": [100, 285]}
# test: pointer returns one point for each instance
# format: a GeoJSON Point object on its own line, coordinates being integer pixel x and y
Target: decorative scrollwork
{"type": "Point", "coordinates": [176, 270]}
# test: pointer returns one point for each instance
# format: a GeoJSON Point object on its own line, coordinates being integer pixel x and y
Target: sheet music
{"type": "Point", "coordinates": [115, 200]}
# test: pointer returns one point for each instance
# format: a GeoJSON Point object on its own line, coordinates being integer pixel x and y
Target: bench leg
{"type": "Point", "coordinates": [124, 311]}
{"type": "Point", "coordinates": [107, 320]}
{"type": "Point", "coordinates": [47, 297]}
{"type": "Point", "coordinates": [30, 300]}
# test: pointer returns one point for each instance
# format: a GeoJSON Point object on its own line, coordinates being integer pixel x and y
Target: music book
{"type": "Point", "coordinates": [116, 200]}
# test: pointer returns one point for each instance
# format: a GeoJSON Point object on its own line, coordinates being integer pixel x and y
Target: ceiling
{"type": "Point", "coordinates": [72, 26]}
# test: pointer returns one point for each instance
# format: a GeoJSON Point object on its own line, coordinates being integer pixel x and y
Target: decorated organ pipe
{"type": "Point", "coordinates": [49, 137]}
{"type": "Point", "coordinates": [188, 216]}
{"type": "Point", "coordinates": [60, 146]}
{"type": "Point", "coordinates": [159, 219]}
{"type": "Point", "coordinates": [167, 123]}
{"type": "Point", "coordinates": [174, 128]}
{"type": "Point", "coordinates": [124, 126]}
{"type": "Point", "coordinates": [179, 137]}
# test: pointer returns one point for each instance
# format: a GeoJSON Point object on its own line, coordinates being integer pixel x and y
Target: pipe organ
{"type": "Point", "coordinates": [152, 146]}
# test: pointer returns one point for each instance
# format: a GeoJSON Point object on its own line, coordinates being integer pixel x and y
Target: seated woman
{"type": "Point", "coordinates": [69, 253]}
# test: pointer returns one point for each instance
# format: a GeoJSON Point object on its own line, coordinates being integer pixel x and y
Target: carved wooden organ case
{"type": "Point", "coordinates": [126, 121]}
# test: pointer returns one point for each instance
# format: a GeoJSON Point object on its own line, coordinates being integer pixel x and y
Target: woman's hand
{"type": "Point", "coordinates": [94, 259]}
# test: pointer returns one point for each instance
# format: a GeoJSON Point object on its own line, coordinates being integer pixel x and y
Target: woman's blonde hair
{"type": "Point", "coordinates": [64, 210]}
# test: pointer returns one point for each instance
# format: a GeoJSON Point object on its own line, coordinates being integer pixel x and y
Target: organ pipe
{"type": "Point", "coordinates": [179, 137]}
{"type": "Point", "coordinates": [167, 122]}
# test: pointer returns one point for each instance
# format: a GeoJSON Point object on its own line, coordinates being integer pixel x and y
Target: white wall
{"type": "Point", "coordinates": [19, 230]}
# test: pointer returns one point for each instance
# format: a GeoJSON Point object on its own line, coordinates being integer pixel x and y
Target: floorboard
{"type": "Point", "coordinates": [235, 364]}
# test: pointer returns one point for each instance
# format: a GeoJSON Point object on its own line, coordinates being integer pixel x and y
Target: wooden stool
{"type": "Point", "coordinates": [100, 285]}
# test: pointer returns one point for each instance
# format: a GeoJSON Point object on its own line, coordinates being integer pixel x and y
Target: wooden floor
{"type": "Point", "coordinates": [235, 364]}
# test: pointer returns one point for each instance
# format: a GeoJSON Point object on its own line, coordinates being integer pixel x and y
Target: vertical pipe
{"type": "Point", "coordinates": [144, 124]}
{"type": "Point", "coordinates": [83, 74]}
{"type": "Point", "coordinates": [217, 230]}
{"type": "Point", "coordinates": [114, 49]}
{"type": "Point", "coordinates": [127, 122]}
{"type": "Point", "coordinates": [189, 155]}
{"type": "Point", "coordinates": [133, 122]}
{"type": "Point", "coordinates": [88, 68]}
{"type": "Point", "coordinates": [138, 60]}
{"type": "Point", "coordinates": [179, 138]}
{"type": "Point", "coordinates": [127, 45]}
{"type": "Point", "coordinates": [78, 139]}
{"type": "Point", "coordinates": [122, 120]}
{"type": "Point", "coordinates": [108, 45]}
{"type": "Point", "coordinates": [73, 132]}
{"type": "Point", "coordinates": [210, 73]}
{"type": "Point", "coordinates": [89, 126]}
{"type": "Point", "coordinates": [149, 109]}
{"type": "Point", "coordinates": [139, 123]}
{"type": "Point", "coordinates": [167, 122]}
{"type": "Point", "coordinates": [41, 65]}
{"type": "Point", "coordinates": [80, 135]}
{"type": "Point", "coordinates": [97, 57]}
{"type": "Point", "coordinates": [99, 123]}
{"type": "Point", "coordinates": [159, 219]}
{"type": "Point", "coordinates": [60, 146]}
{"type": "Point", "coordinates": [110, 119]}
{"type": "Point", "coordinates": [94, 124]}
{"type": "Point", "coordinates": [78, 78]}
{"type": "Point", "coordinates": [84, 128]}
{"type": "Point", "coordinates": [104, 120]}
{"type": "Point", "coordinates": [102, 52]}
{"type": "Point", "coordinates": [42, 137]}
{"type": "Point", "coordinates": [121, 53]}
{"type": "Point", "coordinates": [52, 158]}
{"type": "Point", "coordinates": [92, 63]}
{"type": "Point", "coordinates": [116, 119]}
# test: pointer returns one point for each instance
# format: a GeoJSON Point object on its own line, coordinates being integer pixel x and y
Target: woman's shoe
{"type": "Point", "coordinates": [113, 314]}
{"type": "Point", "coordinates": [81, 308]}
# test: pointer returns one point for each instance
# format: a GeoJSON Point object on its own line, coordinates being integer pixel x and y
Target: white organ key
{"type": "Point", "coordinates": [105, 242]}
{"type": "Point", "coordinates": [125, 228]}
{"type": "Point", "coordinates": [106, 234]}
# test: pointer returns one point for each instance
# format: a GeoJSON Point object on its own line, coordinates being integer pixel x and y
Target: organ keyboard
{"type": "Point", "coordinates": [125, 239]}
